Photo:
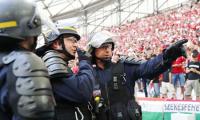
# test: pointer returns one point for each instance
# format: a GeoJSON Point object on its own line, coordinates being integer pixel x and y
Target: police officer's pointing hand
{"type": "Point", "coordinates": [175, 50]}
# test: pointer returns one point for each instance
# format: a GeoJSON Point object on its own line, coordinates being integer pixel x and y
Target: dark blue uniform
{"type": "Point", "coordinates": [5, 110]}
{"type": "Point", "coordinates": [25, 91]}
{"type": "Point", "coordinates": [72, 91]}
{"type": "Point", "coordinates": [118, 97]}
{"type": "Point", "coordinates": [75, 87]}
{"type": "Point", "coordinates": [4, 106]}
{"type": "Point", "coordinates": [149, 69]}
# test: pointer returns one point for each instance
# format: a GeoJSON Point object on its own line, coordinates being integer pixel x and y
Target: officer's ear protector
{"type": "Point", "coordinates": [34, 22]}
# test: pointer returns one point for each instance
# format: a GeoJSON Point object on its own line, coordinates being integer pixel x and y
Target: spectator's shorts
{"type": "Point", "coordinates": [167, 88]}
{"type": "Point", "coordinates": [192, 84]}
{"type": "Point", "coordinates": [178, 77]}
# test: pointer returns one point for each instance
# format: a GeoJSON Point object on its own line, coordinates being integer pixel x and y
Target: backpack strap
{"type": "Point", "coordinates": [1, 67]}
{"type": "Point", "coordinates": [117, 74]}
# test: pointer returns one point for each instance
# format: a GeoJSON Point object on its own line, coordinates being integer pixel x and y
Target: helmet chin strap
{"type": "Point", "coordinates": [107, 61]}
{"type": "Point", "coordinates": [33, 46]}
{"type": "Point", "coordinates": [64, 51]}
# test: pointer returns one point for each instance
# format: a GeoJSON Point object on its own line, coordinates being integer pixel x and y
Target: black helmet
{"type": "Point", "coordinates": [52, 36]}
{"type": "Point", "coordinates": [18, 19]}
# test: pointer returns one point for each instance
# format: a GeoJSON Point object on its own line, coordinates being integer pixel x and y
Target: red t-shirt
{"type": "Point", "coordinates": [178, 69]}
{"type": "Point", "coordinates": [199, 57]}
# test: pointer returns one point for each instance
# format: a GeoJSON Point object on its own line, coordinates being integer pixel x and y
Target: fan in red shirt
{"type": "Point", "coordinates": [199, 57]}
{"type": "Point", "coordinates": [178, 73]}
{"type": "Point", "coordinates": [178, 65]}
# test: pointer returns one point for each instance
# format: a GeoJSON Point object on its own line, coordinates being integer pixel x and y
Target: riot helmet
{"type": "Point", "coordinates": [63, 33]}
{"type": "Point", "coordinates": [98, 39]}
{"type": "Point", "coordinates": [70, 31]}
{"type": "Point", "coordinates": [18, 19]}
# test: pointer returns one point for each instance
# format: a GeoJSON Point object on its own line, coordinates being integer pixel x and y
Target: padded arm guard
{"type": "Point", "coordinates": [131, 60]}
{"type": "Point", "coordinates": [30, 92]}
{"type": "Point", "coordinates": [55, 63]}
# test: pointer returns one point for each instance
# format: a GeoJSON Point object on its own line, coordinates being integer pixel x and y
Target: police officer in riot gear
{"type": "Point", "coordinates": [114, 91]}
{"type": "Point", "coordinates": [25, 90]}
{"type": "Point", "coordinates": [72, 91]}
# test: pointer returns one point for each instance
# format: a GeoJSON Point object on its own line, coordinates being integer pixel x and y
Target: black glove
{"type": "Point", "coordinates": [40, 51]}
{"type": "Point", "coordinates": [83, 55]}
{"type": "Point", "coordinates": [175, 50]}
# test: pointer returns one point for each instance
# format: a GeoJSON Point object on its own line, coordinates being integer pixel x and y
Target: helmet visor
{"type": "Point", "coordinates": [46, 21]}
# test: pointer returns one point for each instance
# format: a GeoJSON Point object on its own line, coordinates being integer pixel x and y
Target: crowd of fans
{"type": "Point", "coordinates": [148, 35]}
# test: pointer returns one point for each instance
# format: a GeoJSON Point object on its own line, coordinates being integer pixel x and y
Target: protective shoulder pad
{"type": "Point", "coordinates": [26, 64]}
{"type": "Point", "coordinates": [54, 62]}
{"type": "Point", "coordinates": [8, 58]}
{"type": "Point", "coordinates": [2, 57]}
{"type": "Point", "coordinates": [30, 87]}
{"type": "Point", "coordinates": [131, 60]}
